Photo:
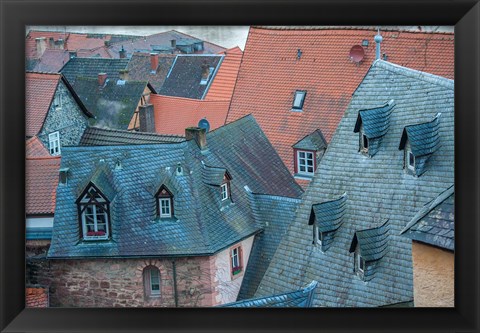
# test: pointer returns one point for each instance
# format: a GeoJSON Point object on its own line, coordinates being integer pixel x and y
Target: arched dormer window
{"type": "Point", "coordinates": [164, 203]}
{"type": "Point", "coordinates": [151, 281]}
{"type": "Point", "coordinates": [94, 213]}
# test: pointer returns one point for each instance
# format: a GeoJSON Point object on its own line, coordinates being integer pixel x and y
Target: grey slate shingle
{"type": "Point", "coordinates": [313, 141]}
{"type": "Point", "coordinates": [378, 189]}
{"type": "Point", "coordinates": [91, 67]}
{"type": "Point", "coordinates": [95, 136]}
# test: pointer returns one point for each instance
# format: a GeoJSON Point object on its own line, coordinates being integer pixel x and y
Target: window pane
{"type": "Point", "coordinates": [301, 154]}
{"type": "Point", "coordinates": [297, 102]}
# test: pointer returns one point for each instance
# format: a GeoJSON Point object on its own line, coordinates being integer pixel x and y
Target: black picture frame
{"type": "Point", "coordinates": [15, 15]}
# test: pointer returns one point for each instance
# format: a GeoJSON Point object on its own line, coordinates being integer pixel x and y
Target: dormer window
{"type": "Point", "coordinates": [54, 143]}
{"type": "Point", "coordinates": [410, 160]}
{"type": "Point", "coordinates": [306, 162]}
{"type": "Point", "coordinates": [363, 143]}
{"type": "Point", "coordinates": [94, 214]}
{"type": "Point", "coordinates": [225, 190]}
{"type": "Point", "coordinates": [360, 264]}
{"type": "Point", "coordinates": [164, 203]}
{"type": "Point", "coordinates": [298, 100]}
{"type": "Point", "coordinates": [307, 153]}
{"type": "Point", "coordinates": [206, 74]}
{"type": "Point", "coordinates": [319, 236]}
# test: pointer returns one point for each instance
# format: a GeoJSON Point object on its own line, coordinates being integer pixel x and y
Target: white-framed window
{"type": "Point", "coordinates": [305, 162]}
{"type": "Point", "coordinates": [54, 143]}
{"type": "Point", "coordinates": [206, 77]}
{"type": "Point", "coordinates": [363, 143]}
{"type": "Point", "coordinates": [224, 188]}
{"type": "Point", "coordinates": [319, 236]}
{"type": "Point", "coordinates": [410, 160]}
{"type": "Point", "coordinates": [151, 281]}
{"type": "Point", "coordinates": [360, 264]}
{"type": "Point", "coordinates": [94, 215]}
{"type": "Point", "coordinates": [57, 101]}
{"type": "Point", "coordinates": [236, 260]}
{"type": "Point", "coordinates": [165, 207]}
{"type": "Point", "coordinates": [298, 100]}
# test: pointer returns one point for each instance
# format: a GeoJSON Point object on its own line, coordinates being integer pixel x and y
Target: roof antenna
{"type": "Point", "coordinates": [378, 39]}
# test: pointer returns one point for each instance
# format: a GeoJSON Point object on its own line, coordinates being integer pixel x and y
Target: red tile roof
{"type": "Point", "coordinates": [51, 61]}
{"type": "Point", "coordinates": [174, 114]}
{"type": "Point", "coordinates": [36, 297]}
{"type": "Point", "coordinates": [41, 184]}
{"type": "Point", "coordinates": [39, 91]}
{"type": "Point", "coordinates": [224, 81]}
{"type": "Point", "coordinates": [35, 148]}
{"type": "Point", "coordinates": [270, 73]}
{"type": "Point", "coordinates": [31, 45]}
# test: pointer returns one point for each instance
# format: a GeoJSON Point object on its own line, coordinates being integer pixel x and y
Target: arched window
{"type": "Point", "coordinates": [94, 215]}
{"type": "Point", "coordinates": [164, 203]}
{"type": "Point", "coordinates": [151, 281]}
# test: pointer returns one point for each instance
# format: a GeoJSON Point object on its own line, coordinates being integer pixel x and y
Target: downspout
{"type": "Point", "coordinates": [175, 294]}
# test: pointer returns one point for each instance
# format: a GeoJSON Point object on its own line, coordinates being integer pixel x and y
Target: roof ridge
{"type": "Point", "coordinates": [346, 27]}
{"type": "Point", "coordinates": [135, 132]}
{"type": "Point", "coordinates": [275, 197]}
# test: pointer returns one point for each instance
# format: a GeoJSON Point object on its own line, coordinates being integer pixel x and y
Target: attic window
{"type": "Point", "coordinates": [410, 160]}
{"type": "Point", "coordinates": [164, 203]}
{"type": "Point", "coordinates": [305, 162]}
{"type": "Point", "coordinates": [363, 142]}
{"type": "Point", "coordinates": [57, 101]}
{"type": "Point", "coordinates": [225, 190]}
{"type": "Point", "coordinates": [54, 143]}
{"type": "Point", "coordinates": [298, 100]}
{"type": "Point", "coordinates": [360, 267]}
{"type": "Point", "coordinates": [206, 74]}
{"type": "Point", "coordinates": [93, 209]}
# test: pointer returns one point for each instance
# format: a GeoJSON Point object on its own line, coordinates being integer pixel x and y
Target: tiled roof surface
{"type": "Point", "coordinates": [51, 61]}
{"type": "Point", "coordinates": [185, 75]}
{"type": "Point", "coordinates": [174, 114]}
{"type": "Point", "coordinates": [114, 104]}
{"type": "Point", "coordinates": [378, 189]}
{"type": "Point", "coordinates": [41, 180]}
{"type": "Point", "coordinates": [313, 141]}
{"type": "Point", "coordinates": [434, 224]}
{"type": "Point", "coordinates": [94, 136]}
{"type": "Point", "coordinates": [31, 45]}
{"type": "Point", "coordinates": [36, 297]}
{"type": "Point", "coordinates": [271, 72]}
{"type": "Point", "coordinates": [139, 68]}
{"type": "Point", "coordinates": [203, 224]}
{"type": "Point", "coordinates": [226, 77]}
{"type": "Point", "coordinates": [302, 298]}
{"type": "Point", "coordinates": [35, 148]}
{"type": "Point", "coordinates": [39, 91]}
{"type": "Point", "coordinates": [91, 67]}
{"type": "Point", "coordinates": [273, 214]}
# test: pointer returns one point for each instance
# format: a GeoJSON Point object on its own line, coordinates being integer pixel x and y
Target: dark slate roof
{"type": "Point", "coordinates": [434, 224]}
{"type": "Point", "coordinates": [91, 67]}
{"type": "Point", "coordinates": [139, 68]}
{"type": "Point", "coordinates": [213, 175]}
{"type": "Point", "coordinates": [302, 298]}
{"type": "Point", "coordinates": [114, 104]}
{"type": "Point", "coordinates": [373, 242]}
{"type": "Point", "coordinates": [44, 233]}
{"type": "Point", "coordinates": [313, 141]}
{"type": "Point", "coordinates": [95, 136]}
{"type": "Point", "coordinates": [375, 121]}
{"type": "Point", "coordinates": [203, 224]}
{"type": "Point", "coordinates": [328, 215]}
{"type": "Point", "coordinates": [185, 75]}
{"type": "Point", "coordinates": [378, 189]}
{"type": "Point", "coordinates": [273, 214]}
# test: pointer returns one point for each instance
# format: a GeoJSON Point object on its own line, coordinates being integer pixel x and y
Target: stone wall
{"type": "Point", "coordinates": [69, 120]}
{"type": "Point", "coordinates": [433, 276]}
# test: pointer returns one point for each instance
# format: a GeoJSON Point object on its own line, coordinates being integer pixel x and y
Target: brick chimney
{"type": "Point", "coordinates": [123, 74]}
{"type": "Point", "coordinates": [60, 44]}
{"type": "Point", "coordinates": [41, 44]}
{"type": "Point", "coordinates": [173, 43]}
{"type": "Point", "coordinates": [51, 43]}
{"type": "Point", "coordinates": [102, 77]}
{"type": "Point", "coordinates": [153, 62]}
{"type": "Point", "coordinates": [199, 134]}
{"type": "Point", "coordinates": [147, 118]}
{"type": "Point", "coordinates": [122, 53]}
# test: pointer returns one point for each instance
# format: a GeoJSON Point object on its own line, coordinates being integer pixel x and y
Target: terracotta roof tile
{"type": "Point", "coordinates": [31, 45]}
{"type": "Point", "coordinates": [174, 114]}
{"type": "Point", "coordinates": [39, 91]}
{"type": "Point", "coordinates": [224, 81]}
{"type": "Point", "coordinates": [270, 73]}
{"type": "Point", "coordinates": [36, 297]}
{"type": "Point", "coordinates": [35, 148]}
{"type": "Point", "coordinates": [41, 183]}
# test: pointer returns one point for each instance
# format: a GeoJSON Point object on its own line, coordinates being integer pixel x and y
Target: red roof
{"type": "Point", "coordinates": [271, 72]}
{"type": "Point", "coordinates": [51, 61]}
{"type": "Point", "coordinates": [224, 81]}
{"type": "Point", "coordinates": [41, 184]}
{"type": "Point", "coordinates": [31, 45]}
{"type": "Point", "coordinates": [35, 148]}
{"type": "Point", "coordinates": [174, 114]}
{"type": "Point", "coordinates": [39, 91]}
{"type": "Point", "coordinates": [36, 297]}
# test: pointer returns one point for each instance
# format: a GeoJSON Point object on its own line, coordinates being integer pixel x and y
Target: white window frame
{"type": "Point", "coordinates": [301, 94]}
{"type": "Point", "coordinates": [318, 236]}
{"type": "Point", "coordinates": [305, 165]}
{"type": "Point", "coordinates": [236, 260]}
{"type": "Point", "coordinates": [224, 189]}
{"type": "Point", "coordinates": [359, 262]}
{"type": "Point", "coordinates": [152, 282]}
{"type": "Point", "coordinates": [168, 207]}
{"type": "Point", "coordinates": [408, 154]}
{"type": "Point", "coordinates": [96, 212]}
{"type": "Point", "coordinates": [54, 143]}
{"type": "Point", "coordinates": [210, 72]}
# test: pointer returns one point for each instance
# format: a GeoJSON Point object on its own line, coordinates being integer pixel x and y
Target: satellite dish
{"type": "Point", "coordinates": [203, 123]}
{"type": "Point", "coordinates": [357, 53]}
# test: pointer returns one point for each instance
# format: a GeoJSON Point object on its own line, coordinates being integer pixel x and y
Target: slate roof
{"type": "Point", "coordinates": [313, 141]}
{"type": "Point", "coordinates": [202, 225]}
{"type": "Point", "coordinates": [183, 79]}
{"type": "Point", "coordinates": [95, 136]}
{"type": "Point", "coordinates": [434, 223]}
{"type": "Point", "coordinates": [270, 73]}
{"type": "Point", "coordinates": [114, 104]}
{"type": "Point", "coordinates": [273, 214]}
{"type": "Point", "coordinates": [302, 298]}
{"type": "Point", "coordinates": [139, 68]}
{"type": "Point", "coordinates": [378, 189]}
{"type": "Point", "coordinates": [226, 77]}
{"type": "Point", "coordinates": [372, 243]}
{"type": "Point", "coordinates": [174, 114]}
{"type": "Point", "coordinates": [91, 67]}
{"type": "Point", "coordinates": [41, 180]}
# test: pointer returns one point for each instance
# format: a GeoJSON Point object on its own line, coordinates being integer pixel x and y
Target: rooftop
{"type": "Point", "coordinates": [94, 136]}
{"type": "Point", "coordinates": [41, 180]}
{"type": "Point", "coordinates": [91, 67]}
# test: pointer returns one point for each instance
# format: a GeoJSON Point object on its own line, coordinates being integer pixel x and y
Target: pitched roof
{"type": "Point", "coordinates": [41, 180]}
{"type": "Point", "coordinates": [313, 141]}
{"type": "Point", "coordinates": [434, 223]}
{"type": "Point", "coordinates": [183, 79]}
{"type": "Point", "coordinates": [202, 225]}
{"type": "Point", "coordinates": [31, 45]}
{"type": "Point", "coordinates": [139, 68]}
{"type": "Point", "coordinates": [378, 189]}
{"type": "Point", "coordinates": [51, 61]}
{"type": "Point", "coordinates": [302, 298]}
{"type": "Point", "coordinates": [35, 148]}
{"type": "Point", "coordinates": [226, 77]}
{"type": "Point", "coordinates": [95, 136]}
{"type": "Point", "coordinates": [271, 72]}
{"type": "Point", "coordinates": [373, 242]}
{"type": "Point", "coordinates": [91, 67]}
{"type": "Point", "coordinates": [174, 114]}
{"type": "Point", "coordinates": [36, 297]}
{"type": "Point", "coordinates": [114, 104]}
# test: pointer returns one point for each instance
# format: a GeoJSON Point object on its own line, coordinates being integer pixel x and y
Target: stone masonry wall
{"type": "Point", "coordinates": [70, 120]}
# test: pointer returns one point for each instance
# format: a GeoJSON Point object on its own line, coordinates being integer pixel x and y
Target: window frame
{"type": "Point", "coordinates": [57, 101]}
{"type": "Point", "coordinates": [224, 189]}
{"type": "Point", "coordinates": [54, 143]}
{"type": "Point", "coordinates": [409, 154]}
{"type": "Point", "coordinates": [298, 159]}
{"type": "Point", "coordinates": [148, 282]}
{"type": "Point", "coordinates": [161, 197]}
{"type": "Point", "coordinates": [99, 201]}
{"type": "Point", "coordinates": [235, 270]}
{"type": "Point", "coordinates": [302, 100]}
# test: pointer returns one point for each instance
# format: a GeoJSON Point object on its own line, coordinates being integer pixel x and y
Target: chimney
{"type": "Point", "coordinates": [102, 77]}
{"type": "Point", "coordinates": [197, 133]}
{"type": "Point", "coordinates": [60, 44]}
{"type": "Point", "coordinates": [173, 43]}
{"type": "Point", "coordinates": [147, 118]}
{"type": "Point", "coordinates": [51, 43]}
{"type": "Point", "coordinates": [41, 46]}
{"type": "Point", "coordinates": [72, 54]}
{"type": "Point", "coordinates": [123, 74]}
{"type": "Point", "coordinates": [378, 39]}
{"type": "Point", "coordinates": [122, 53]}
{"type": "Point", "coordinates": [153, 62]}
